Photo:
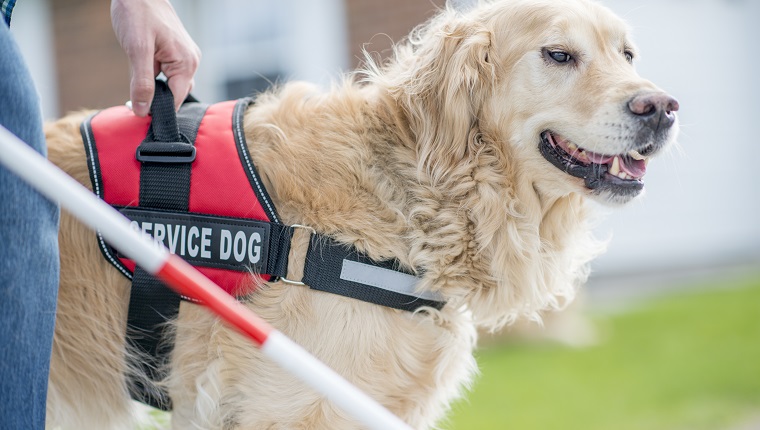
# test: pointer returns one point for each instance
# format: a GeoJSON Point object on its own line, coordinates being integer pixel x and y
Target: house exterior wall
{"type": "Point", "coordinates": [92, 70]}
{"type": "Point", "coordinates": [374, 25]}
{"type": "Point", "coordinates": [702, 198]}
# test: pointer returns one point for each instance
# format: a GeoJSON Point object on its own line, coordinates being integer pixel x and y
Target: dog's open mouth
{"type": "Point", "coordinates": [621, 173]}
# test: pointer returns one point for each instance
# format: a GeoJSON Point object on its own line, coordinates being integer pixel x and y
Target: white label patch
{"type": "Point", "coordinates": [208, 241]}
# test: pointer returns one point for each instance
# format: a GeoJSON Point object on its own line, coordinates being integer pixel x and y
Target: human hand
{"type": "Point", "coordinates": [155, 41]}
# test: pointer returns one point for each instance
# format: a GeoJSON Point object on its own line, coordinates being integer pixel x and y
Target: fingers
{"type": "Point", "coordinates": [179, 72]}
{"type": "Point", "coordinates": [155, 41]}
{"type": "Point", "coordinates": [181, 87]}
{"type": "Point", "coordinates": [179, 68]}
{"type": "Point", "coordinates": [142, 84]}
{"type": "Point", "coordinates": [179, 75]}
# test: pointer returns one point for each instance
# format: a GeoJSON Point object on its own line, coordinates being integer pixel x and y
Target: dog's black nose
{"type": "Point", "coordinates": [655, 110]}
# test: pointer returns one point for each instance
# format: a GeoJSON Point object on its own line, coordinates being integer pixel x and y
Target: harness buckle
{"type": "Point", "coordinates": [286, 280]}
{"type": "Point", "coordinates": [165, 152]}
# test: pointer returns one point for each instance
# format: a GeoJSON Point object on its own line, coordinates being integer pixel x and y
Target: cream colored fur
{"type": "Point", "coordinates": [431, 159]}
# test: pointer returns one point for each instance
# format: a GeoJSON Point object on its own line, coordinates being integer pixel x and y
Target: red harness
{"type": "Point", "coordinates": [223, 183]}
{"type": "Point", "coordinates": [189, 181]}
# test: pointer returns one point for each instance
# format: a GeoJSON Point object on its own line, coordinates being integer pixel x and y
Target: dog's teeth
{"type": "Point", "coordinates": [636, 155]}
{"type": "Point", "coordinates": [573, 147]}
{"type": "Point", "coordinates": [646, 162]}
{"type": "Point", "coordinates": [615, 169]}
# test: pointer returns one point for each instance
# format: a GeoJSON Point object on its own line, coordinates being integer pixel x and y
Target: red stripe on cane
{"type": "Point", "coordinates": [184, 279]}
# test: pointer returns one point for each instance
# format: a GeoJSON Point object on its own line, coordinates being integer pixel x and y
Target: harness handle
{"type": "Point", "coordinates": [165, 155]}
{"type": "Point", "coordinates": [164, 142]}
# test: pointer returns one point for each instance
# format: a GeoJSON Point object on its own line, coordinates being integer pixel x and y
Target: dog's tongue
{"type": "Point", "coordinates": [635, 168]}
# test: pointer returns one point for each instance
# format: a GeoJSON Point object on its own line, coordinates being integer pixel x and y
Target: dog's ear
{"type": "Point", "coordinates": [451, 72]}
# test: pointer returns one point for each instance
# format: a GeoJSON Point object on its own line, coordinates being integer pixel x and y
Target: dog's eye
{"type": "Point", "coordinates": [560, 57]}
{"type": "Point", "coordinates": [629, 56]}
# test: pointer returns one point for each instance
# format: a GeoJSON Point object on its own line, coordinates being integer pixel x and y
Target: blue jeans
{"type": "Point", "coordinates": [29, 261]}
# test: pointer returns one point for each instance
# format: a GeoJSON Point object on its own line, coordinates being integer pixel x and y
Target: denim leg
{"type": "Point", "coordinates": [29, 261]}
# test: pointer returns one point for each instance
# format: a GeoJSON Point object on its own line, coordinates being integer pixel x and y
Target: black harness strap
{"type": "Point", "coordinates": [165, 154]}
{"type": "Point", "coordinates": [327, 269]}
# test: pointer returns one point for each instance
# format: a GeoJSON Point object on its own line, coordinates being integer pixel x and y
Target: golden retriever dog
{"type": "Point", "coordinates": [470, 157]}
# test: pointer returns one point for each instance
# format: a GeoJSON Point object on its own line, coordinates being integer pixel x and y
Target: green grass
{"type": "Point", "coordinates": [685, 362]}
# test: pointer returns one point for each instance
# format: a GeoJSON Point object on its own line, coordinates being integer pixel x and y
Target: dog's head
{"type": "Point", "coordinates": [553, 80]}
{"type": "Point", "coordinates": [518, 110]}
{"type": "Point", "coordinates": [582, 104]}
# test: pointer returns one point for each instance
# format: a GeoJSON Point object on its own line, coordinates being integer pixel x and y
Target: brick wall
{"type": "Point", "coordinates": [93, 71]}
{"type": "Point", "coordinates": [375, 23]}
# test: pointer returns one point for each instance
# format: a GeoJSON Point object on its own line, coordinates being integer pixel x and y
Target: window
{"type": "Point", "coordinates": [249, 44]}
